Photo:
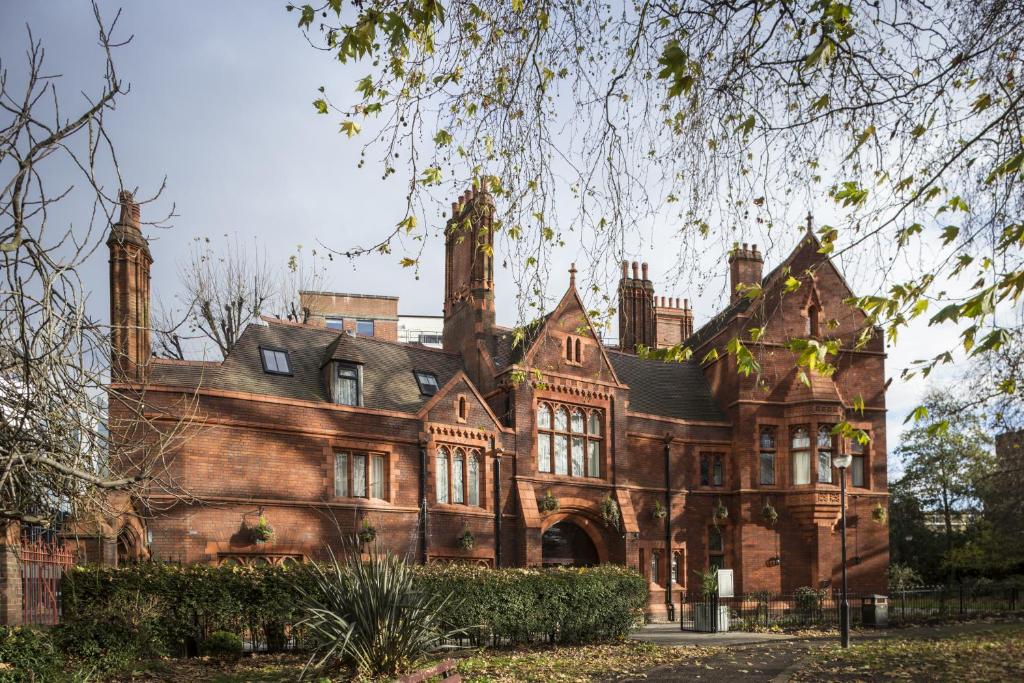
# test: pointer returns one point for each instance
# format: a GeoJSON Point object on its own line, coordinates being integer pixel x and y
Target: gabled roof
{"type": "Point", "coordinates": [388, 380]}
{"type": "Point", "coordinates": [669, 389]}
{"type": "Point", "coordinates": [769, 284]}
{"type": "Point", "coordinates": [524, 352]}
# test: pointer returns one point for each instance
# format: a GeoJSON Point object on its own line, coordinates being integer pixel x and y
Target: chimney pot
{"type": "Point", "coordinates": [635, 266]}
{"type": "Point", "coordinates": [644, 267]}
{"type": "Point", "coordinates": [625, 269]}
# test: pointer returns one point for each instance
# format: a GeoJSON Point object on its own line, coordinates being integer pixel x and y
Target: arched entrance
{"type": "Point", "coordinates": [566, 544]}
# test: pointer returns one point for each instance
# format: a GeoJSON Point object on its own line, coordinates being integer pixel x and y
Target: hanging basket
{"type": "Point", "coordinates": [879, 513]}
{"type": "Point", "coordinates": [367, 533]}
{"type": "Point", "coordinates": [719, 513]}
{"type": "Point", "coordinates": [659, 511]}
{"type": "Point", "coordinates": [262, 532]}
{"type": "Point", "coordinates": [610, 512]}
{"type": "Point", "coordinates": [770, 514]}
{"type": "Point", "coordinates": [467, 541]}
{"type": "Point", "coordinates": [548, 504]}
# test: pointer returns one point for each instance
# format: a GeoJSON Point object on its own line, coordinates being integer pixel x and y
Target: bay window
{"type": "Point", "coordinates": [800, 453]}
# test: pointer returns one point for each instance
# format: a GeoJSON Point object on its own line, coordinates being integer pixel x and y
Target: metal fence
{"type": "Point", "coordinates": [42, 566]}
{"type": "Point", "coordinates": [809, 608]}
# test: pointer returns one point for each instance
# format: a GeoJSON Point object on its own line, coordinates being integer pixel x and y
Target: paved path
{"type": "Point", "coordinates": [669, 634]}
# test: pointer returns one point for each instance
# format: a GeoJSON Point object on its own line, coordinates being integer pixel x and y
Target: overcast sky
{"type": "Point", "coordinates": [220, 104]}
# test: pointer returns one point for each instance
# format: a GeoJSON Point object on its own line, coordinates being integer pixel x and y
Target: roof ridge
{"type": "Point", "coordinates": [187, 361]}
{"type": "Point", "coordinates": [404, 345]}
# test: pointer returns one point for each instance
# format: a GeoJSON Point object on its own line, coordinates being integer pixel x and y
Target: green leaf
{"type": "Point", "coordinates": [307, 16]}
{"type": "Point", "coordinates": [350, 128]}
{"type": "Point", "coordinates": [320, 105]}
{"type": "Point", "coordinates": [919, 413]}
{"type": "Point", "coordinates": [431, 176]}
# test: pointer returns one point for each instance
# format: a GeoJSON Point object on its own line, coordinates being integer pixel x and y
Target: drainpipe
{"type": "Point", "coordinates": [497, 504]}
{"type": "Point", "coordinates": [423, 503]}
{"type": "Point", "coordinates": [612, 440]}
{"type": "Point", "coordinates": [669, 607]}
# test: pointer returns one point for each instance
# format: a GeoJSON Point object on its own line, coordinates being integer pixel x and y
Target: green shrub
{"type": "Point", "coordinates": [28, 654]}
{"type": "Point", "coordinates": [809, 603]}
{"type": "Point", "coordinates": [222, 644]}
{"type": "Point", "coordinates": [153, 609]}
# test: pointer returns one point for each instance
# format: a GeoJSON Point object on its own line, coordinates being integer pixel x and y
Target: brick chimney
{"type": "Point", "coordinates": [469, 277]}
{"type": "Point", "coordinates": [130, 263]}
{"type": "Point", "coordinates": [675, 321]}
{"type": "Point", "coordinates": [637, 324]}
{"type": "Point", "coordinates": [745, 265]}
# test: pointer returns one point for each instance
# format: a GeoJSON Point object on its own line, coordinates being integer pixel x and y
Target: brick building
{"type": "Point", "coordinates": [321, 432]}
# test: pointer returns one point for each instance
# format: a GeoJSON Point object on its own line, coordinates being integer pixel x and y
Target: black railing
{"type": "Point", "coordinates": [809, 608]}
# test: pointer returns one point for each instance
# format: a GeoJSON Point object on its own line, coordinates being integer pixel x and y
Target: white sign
{"type": "Point", "coordinates": [725, 589]}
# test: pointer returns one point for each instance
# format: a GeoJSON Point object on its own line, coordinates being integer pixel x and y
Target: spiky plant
{"type": "Point", "coordinates": [371, 615]}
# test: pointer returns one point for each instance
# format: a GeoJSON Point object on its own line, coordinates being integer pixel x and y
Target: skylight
{"type": "Point", "coordinates": [275, 361]}
{"type": "Point", "coordinates": [427, 381]}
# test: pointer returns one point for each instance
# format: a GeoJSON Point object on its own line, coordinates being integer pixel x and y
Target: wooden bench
{"type": "Point", "coordinates": [448, 670]}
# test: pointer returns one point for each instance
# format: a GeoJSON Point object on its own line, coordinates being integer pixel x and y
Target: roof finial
{"type": "Point", "coordinates": [810, 223]}
{"type": "Point", "coordinates": [572, 275]}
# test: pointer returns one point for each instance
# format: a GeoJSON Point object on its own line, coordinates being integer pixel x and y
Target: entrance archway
{"type": "Point", "coordinates": [566, 544]}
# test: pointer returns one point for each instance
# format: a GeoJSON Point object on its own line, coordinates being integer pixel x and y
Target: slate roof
{"type": "Point", "coordinates": [388, 380]}
{"type": "Point", "coordinates": [668, 389]}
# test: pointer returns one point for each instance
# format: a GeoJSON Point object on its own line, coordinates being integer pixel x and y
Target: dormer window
{"type": "Point", "coordinates": [275, 361]}
{"type": "Point", "coordinates": [427, 381]}
{"type": "Point", "coordinates": [348, 385]}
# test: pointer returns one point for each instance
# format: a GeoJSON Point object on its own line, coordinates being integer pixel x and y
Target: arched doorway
{"type": "Point", "coordinates": [567, 545]}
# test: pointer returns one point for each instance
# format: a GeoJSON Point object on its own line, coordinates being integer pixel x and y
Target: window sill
{"type": "Point", "coordinates": [568, 477]}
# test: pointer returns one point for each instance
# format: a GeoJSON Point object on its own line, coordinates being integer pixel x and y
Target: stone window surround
{"type": "Point", "coordinates": [361, 446]}
{"type": "Point", "coordinates": [588, 409]}
{"type": "Point", "coordinates": [468, 451]}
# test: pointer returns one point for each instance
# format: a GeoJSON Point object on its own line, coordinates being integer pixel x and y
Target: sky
{"type": "Point", "coordinates": [220, 105]}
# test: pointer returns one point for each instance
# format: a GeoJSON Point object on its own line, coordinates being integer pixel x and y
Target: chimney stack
{"type": "Point", "coordinates": [745, 265]}
{"type": "Point", "coordinates": [469, 313]}
{"type": "Point", "coordinates": [637, 326]}
{"type": "Point", "coordinates": [674, 322]}
{"type": "Point", "coordinates": [130, 265]}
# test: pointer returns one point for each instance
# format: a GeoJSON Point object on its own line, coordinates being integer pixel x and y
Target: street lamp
{"type": "Point", "coordinates": [842, 462]}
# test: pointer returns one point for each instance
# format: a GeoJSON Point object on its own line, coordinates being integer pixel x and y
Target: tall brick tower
{"type": "Point", "coordinates": [637, 321]}
{"type": "Point", "coordinates": [469, 278]}
{"type": "Point", "coordinates": [130, 263]}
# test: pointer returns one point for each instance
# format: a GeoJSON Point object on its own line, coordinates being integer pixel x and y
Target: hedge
{"type": "Point", "coordinates": [156, 609]}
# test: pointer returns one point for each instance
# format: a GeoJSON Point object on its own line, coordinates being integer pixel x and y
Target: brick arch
{"type": "Point", "coordinates": [586, 517]}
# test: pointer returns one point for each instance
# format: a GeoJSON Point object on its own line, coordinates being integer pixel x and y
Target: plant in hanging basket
{"type": "Point", "coordinates": [367, 533]}
{"type": "Point", "coordinates": [770, 514]}
{"type": "Point", "coordinates": [719, 513]}
{"type": "Point", "coordinates": [879, 513]}
{"type": "Point", "coordinates": [467, 540]}
{"type": "Point", "coordinates": [610, 512]}
{"type": "Point", "coordinates": [548, 503]}
{"type": "Point", "coordinates": [262, 532]}
{"type": "Point", "coordinates": [659, 511]}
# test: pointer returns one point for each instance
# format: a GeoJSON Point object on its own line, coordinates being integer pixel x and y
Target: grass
{"type": "Point", "coordinates": [543, 665]}
{"type": "Point", "coordinates": [996, 655]}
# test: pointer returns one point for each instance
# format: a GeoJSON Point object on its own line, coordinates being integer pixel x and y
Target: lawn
{"type": "Point", "coordinates": [996, 655]}
{"type": "Point", "coordinates": [561, 664]}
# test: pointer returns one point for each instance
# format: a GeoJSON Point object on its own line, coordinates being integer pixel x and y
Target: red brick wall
{"type": "Point", "coordinates": [278, 455]}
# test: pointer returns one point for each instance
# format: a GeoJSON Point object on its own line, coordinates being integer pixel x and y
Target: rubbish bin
{"type": "Point", "coordinates": [874, 610]}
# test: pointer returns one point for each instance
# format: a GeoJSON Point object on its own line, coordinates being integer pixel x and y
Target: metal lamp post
{"type": "Point", "coordinates": [842, 462]}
